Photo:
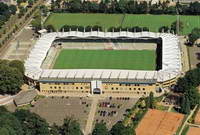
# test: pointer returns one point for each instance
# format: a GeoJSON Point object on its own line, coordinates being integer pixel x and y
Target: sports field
{"type": "Point", "coordinates": [105, 20]}
{"type": "Point", "coordinates": [106, 59]}
{"type": "Point", "coordinates": [153, 22]}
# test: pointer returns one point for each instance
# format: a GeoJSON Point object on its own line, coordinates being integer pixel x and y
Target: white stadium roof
{"type": "Point", "coordinates": [171, 58]}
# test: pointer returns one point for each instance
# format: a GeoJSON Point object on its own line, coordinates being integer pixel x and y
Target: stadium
{"type": "Point", "coordinates": [113, 64]}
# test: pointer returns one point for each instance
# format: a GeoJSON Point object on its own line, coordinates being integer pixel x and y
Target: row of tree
{"type": "Point", "coordinates": [188, 86]}
{"type": "Point", "coordinates": [123, 6]}
{"type": "Point", "coordinates": [117, 129]}
{"type": "Point", "coordinates": [5, 12]}
{"type": "Point", "coordinates": [66, 28]}
{"type": "Point", "coordinates": [194, 36]}
{"type": "Point", "coordinates": [11, 76]}
{"type": "Point", "coordinates": [24, 122]}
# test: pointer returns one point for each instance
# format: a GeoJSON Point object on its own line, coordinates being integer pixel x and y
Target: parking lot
{"type": "Point", "coordinates": [112, 110]}
{"type": "Point", "coordinates": [55, 109]}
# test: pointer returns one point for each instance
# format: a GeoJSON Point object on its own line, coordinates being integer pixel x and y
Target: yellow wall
{"type": "Point", "coordinates": [169, 82]}
{"type": "Point", "coordinates": [134, 89]}
{"type": "Point", "coordinates": [64, 89]}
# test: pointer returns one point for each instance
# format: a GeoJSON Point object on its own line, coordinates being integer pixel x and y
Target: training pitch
{"type": "Point", "coordinates": [106, 59]}
{"type": "Point", "coordinates": [153, 22]}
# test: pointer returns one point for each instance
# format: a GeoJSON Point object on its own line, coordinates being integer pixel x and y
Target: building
{"type": "Point", "coordinates": [25, 97]}
{"type": "Point", "coordinates": [106, 82]}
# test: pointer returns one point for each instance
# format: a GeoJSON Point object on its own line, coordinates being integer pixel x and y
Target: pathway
{"type": "Point", "coordinates": [190, 115]}
{"type": "Point", "coordinates": [185, 59]}
{"type": "Point", "coordinates": [89, 124]}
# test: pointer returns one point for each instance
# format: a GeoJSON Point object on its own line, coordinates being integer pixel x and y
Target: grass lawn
{"type": "Point", "coordinates": [104, 20]}
{"type": "Point", "coordinates": [153, 22]}
{"type": "Point", "coordinates": [106, 59]}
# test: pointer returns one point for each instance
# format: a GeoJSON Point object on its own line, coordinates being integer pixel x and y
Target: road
{"type": "Point", "coordinates": [6, 46]}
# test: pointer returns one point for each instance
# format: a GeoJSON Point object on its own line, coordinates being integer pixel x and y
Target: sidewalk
{"type": "Point", "coordinates": [88, 128]}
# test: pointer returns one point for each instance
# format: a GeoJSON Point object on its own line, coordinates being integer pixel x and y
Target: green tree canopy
{"type": "Point", "coordinates": [70, 127]}
{"type": "Point", "coordinates": [194, 35]}
{"type": "Point", "coordinates": [32, 123]}
{"type": "Point", "coordinates": [18, 65]}
{"type": "Point", "coordinates": [11, 79]}
{"type": "Point", "coordinates": [188, 86]}
{"type": "Point", "coordinates": [100, 129]}
{"type": "Point", "coordinates": [120, 129]}
{"type": "Point", "coordinates": [54, 129]}
{"type": "Point", "coordinates": [10, 125]}
{"type": "Point", "coordinates": [174, 27]}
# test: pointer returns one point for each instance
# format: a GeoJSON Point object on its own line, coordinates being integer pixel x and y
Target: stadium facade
{"type": "Point", "coordinates": [107, 82]}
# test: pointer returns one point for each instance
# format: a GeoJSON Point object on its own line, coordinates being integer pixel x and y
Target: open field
{"type": "Point", "coordinates": [153, 22]}
{"type": "Point", "coordinates": [106, 59]}
{"type": "Point", "coordinates": [104, 20]}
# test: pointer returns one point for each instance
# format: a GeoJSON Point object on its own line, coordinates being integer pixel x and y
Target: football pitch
{"type": "Point", "coordinates": [106, 59]}
{"type": "Point", "coordinates": [153, 22]}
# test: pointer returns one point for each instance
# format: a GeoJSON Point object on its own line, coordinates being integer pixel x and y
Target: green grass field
{"type": "Point", "coordinates": [153, 22]}
{"type": "Point", "coordinates": [104, 20]}
{"type": "Point", "coordinates": [106, 59]}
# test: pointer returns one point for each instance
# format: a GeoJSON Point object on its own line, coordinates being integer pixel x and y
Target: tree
{"type": "Point", "coordinates": [151, 98]}
{"type": "Point", "coordinates": [194, 8]}
{"type": "Point", "coordinates": [194, 35]}
{"type": "Point", "coordinates": [70, 127]}
{"type": "Point", "coordinates": [11, 80]}
{"type": "Point", "coordinates": [120, 129]}
{"type": "Point", "coordinates": [174, 27]}
{"type": "Point", "coordinates": [22, 11]}
{"type": "Point", "coordinates": [185, 105]}
{"type": "Point", "coordinates": [44, 10]}
{"type": "Point", "coordinates": [121, 6]}
{"type": "Point", "coordinates": [10, 125]}
{"type": "Point", "coordinates": [145, 29]}
{"type": "Point", "coordinates": [75, 6]}
{"type": "Point", "coordinates": [32, 123]}
{"type": "Point", "coordinates": [13, 9]}
{"type": "Point", "coordinates": [193, 96]}
{"type": "Point", "coordinates": [100, 129]}
{"type": "Point", "coordinates": [65, 28]}
{"type": "Point", "coordinates": [150, 101]}
{"type": "Point", "coordinates": [163, 29]}
{"type": "Point", "coordinates": [54, 130]}
{"type": "Point", "coordinates": [18, 65]}
{"type": "Point", "coordinates": [3, 110]}
{"type": "Point", "coordinates": [30, 3]}
{"type": "Point", "coordinates": [50, 28]}
{"type": "Point", "coordinates": [136, 29]}
{"type": "Point", "coordinates": [96, 28]}
{"type": "Point", "coordinates": [198, 65]}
